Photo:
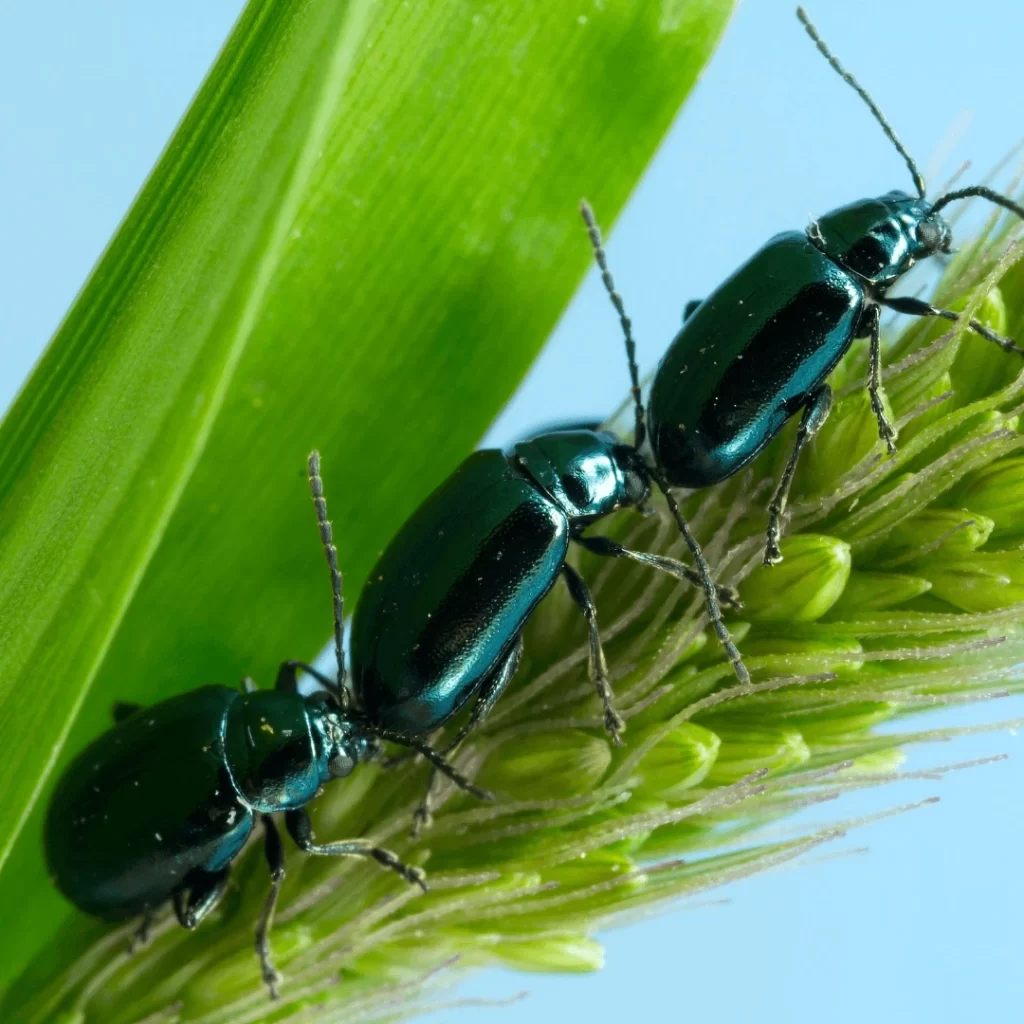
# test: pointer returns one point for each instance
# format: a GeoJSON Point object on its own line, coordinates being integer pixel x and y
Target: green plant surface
{"type": "Point", "coordinates": [358, 238]}
{"type": "Point", "coordinates": [894, 597]}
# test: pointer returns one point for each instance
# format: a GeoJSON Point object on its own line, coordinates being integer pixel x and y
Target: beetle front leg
{"type": "Point", "coordinates": [886, 431]}
{"type": "Point", "coordinates": [301, 830]}
{"type": "Point", "coordinates": [599, 545]}
{"type": "Point", "coordinates": [205, 890]}
{"type": "Point", "coordinates": [815, 413]}
{"type": "Point", "coordinates": [918, 307]}
{"type": "Point", "coordinates": [613, 721]}
{"type": "Point", "coordinates": [274, 852]}
{"type": "Point", "coordinates": [440, 762]}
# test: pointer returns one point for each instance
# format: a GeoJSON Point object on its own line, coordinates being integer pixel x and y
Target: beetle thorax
{"type": "Point", "coordinates": [879, 240]}
{"type": "Point", "coordinates": [587, 473]}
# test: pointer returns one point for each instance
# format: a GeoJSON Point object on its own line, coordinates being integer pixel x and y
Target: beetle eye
{"type": "Point", "coordinates": [637, 487]}
{"type": "Point", "coordinates": [340, 765]}
{"type": "Point", "coordinates": [929, 235]}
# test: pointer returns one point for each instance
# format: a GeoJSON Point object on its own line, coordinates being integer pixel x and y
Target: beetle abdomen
{"type": "Point", "coordinates": [748, 358]}
{"type": "Point", "coordinates": [145, 804]}
{"type": "Point", "coordinates": [449, 596]}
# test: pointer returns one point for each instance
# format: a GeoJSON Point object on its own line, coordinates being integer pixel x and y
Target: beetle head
{"type": "Point", "coordinates": [343, 740]}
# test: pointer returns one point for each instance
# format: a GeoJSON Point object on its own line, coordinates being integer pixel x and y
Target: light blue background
{"type": "Point", "coordinates": [924, 926]}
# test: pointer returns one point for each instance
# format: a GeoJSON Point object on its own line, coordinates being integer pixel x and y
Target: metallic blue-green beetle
{"type": "Point", "coordinates": [759, 349]}
{"type": "Point", "coordinates": [440, 620]}
{"type": "Point", "coordinates": [157, 808]}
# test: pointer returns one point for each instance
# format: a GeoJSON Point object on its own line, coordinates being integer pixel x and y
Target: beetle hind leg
{"type": "Point", "coordinates": [492, 689]}
{"type": "Point", "coordinates": [815, 413]}
{"type": "Point", "coordinates": [275, 862]}
{"type": "Point", "coordinates": [204, 890]}
{"type": "Point", "coordinates": [488, 696]}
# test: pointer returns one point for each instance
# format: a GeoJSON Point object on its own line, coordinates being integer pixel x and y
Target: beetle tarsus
{"type": "Point", "coordinates": [772, 554]}
{"type": "Point", "coordinates": [615, 725]}
{"type": "Point", "coordinates": [140, 937]}
{"type": "Point", "coordinates": [271, 978]}
{"type": "Point", "coordinates": [423, 818]}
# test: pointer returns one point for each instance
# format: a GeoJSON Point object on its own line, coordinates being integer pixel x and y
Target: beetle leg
{"type": "Point", "coordinates": [815, 413]}
{"type": "Point", "coordinates": [275, 861]}
{"type": "Point", "coordinates": [690, 308]}
{"type": "Point", "coordinates": [599, 545]}
{"type": "Point", "coordinates": [613, 721]}
{"type": "Point", "coordinates": [122, 710]}
{"type": "Point", "coordinates": [491, 690]}
{"type": "Point", "coordinates": [886, 431]}
{"type": "Point", "coordinates": [141, 935]}
{"type": "Point", "coordinates": [917, 307]}
{"type": "Point", "coordinates": [489, 694]}
{"type": "Point", "coordinates": [205, 889]}
{"type": "Point", "coordinates": [301, 830]}
{"type": "Point", "coordinates": [436, 759]}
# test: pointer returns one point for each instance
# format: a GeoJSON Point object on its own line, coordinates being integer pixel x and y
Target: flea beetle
{"type": "Point", "coordinates": [441, 617]}
{"type": "Point", "coordinates": [758, 350]}
{"type": "Point", "coordinates": [157, 808]}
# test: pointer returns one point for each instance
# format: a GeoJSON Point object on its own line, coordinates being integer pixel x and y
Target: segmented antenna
{"type": "Point", "coordinates": [640, 430]}
{"type": "Point", "coordinates": [863, 94]}
{"type": "Point", "coordinates": [982, 192]}
{"type": "Point", "coordinates": [657, 474]}
{"type": "Point", "coordinates": [316, 486]}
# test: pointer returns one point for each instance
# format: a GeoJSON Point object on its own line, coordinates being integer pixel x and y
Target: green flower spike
{"type": "Point", "coordinates": [902, 589]}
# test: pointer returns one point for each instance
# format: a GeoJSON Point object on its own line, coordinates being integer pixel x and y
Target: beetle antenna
{"type": "Point", "coordinates": [863, 94]}
{"type": "Point", "coordinates": [982, 192]}
{"type": "Point", "coordinates": [316, 485]}
{"type": "Point", "coordinates": [639, 431]}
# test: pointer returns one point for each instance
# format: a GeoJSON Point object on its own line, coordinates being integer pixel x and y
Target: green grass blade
{"type": "Point", "coordinates": [359, 237]}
